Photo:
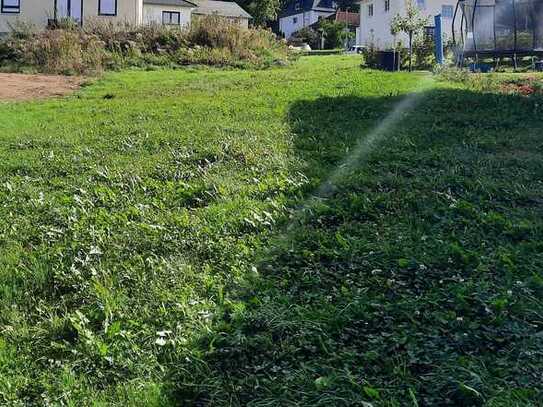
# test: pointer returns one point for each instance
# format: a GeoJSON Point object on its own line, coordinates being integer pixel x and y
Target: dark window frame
{"type": "Point", "coordinates": [429, 32]}
{"type": "Point", "coordinates": [387, 6]}
{"type": "Point", "coordinates": [450, 13]}
{"type": "Point", "coordinates": [108, 14]}
{"type": "Point", "coordinates": [70, 10]}
{"type": "Point", "coordinates": [4, 9]}
{"type": "Point", "coordinates": [370, 10]}
{"type": "Point", "coordinates": [171, 13]}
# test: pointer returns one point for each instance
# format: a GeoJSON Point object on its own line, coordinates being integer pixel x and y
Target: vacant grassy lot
{"type": "Point", "coordinates": [271, 238]}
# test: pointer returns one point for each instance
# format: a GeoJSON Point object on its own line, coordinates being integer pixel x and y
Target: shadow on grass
{"type": "Point", "coordinates": [416, 278]}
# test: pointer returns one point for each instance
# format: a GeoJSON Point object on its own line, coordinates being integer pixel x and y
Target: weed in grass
{"type": "Point", "coordinates": [153, 252]}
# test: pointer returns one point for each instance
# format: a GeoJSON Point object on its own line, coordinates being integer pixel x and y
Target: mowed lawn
{"type": "Point", "coordinates": [316, 235]}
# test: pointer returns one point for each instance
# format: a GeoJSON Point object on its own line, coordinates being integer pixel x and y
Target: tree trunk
{"type": "Point", "coordinates": [410, 48]}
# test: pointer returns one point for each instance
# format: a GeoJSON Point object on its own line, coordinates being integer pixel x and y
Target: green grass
{"type": "Point", "coordinates": [208, 237]}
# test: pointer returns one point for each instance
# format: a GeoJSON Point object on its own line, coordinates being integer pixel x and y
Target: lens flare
{"type": "Point", "coordinates": [367, 143]}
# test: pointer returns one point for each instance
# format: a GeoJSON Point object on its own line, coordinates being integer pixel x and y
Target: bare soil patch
{"type": "Point", "coordinates": [27, 87]}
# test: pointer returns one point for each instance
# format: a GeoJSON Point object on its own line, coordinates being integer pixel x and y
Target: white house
{"type": "Point", "coordinates": [168, 12]}
{"type": "Point", "coordinates": [298, 14]}
{"type": "Point", "coordinates": [376, 16]}
{"type": "Point", "coordinates": [41, 12]}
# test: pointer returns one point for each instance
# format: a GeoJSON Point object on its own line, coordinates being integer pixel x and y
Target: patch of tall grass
{"type": "Point", "coordinates": [69, 49]}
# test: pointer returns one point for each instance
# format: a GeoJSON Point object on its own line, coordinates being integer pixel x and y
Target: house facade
{"type": "Point", "coordinates": [298, 14]}
{"type": "Point", "coordinates": [376, 17]}
{"type": "Point", "coordinates": [40, 12]}
{"type": "Point", "coordinates": [168, 12]}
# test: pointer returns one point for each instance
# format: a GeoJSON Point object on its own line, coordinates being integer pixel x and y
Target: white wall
{"type": "Point", "coordinates": [152, 13]}
{"type": "Point", "coordinates": [36, 12]}
{"type": "Point", "coordinates": [39, 11]}
{"type": "Point", "coordinates": [358, 36]}
{"type": "Point", "coordinates": [291, 24]}
{"type": "Point", "coordinates": [288, 27]}
{"type": "Point", "coordinates": [376, 30]}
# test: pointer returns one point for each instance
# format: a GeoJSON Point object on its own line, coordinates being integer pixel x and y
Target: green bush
{"type": "Point", "coordinates": [307, 35]}
{"type": "Point", "coordinates": [423, 55]}
{"type": "Point", "coordinates": [370, 57]}
{"type": "Point", "coordinates": [7, 52]}
{"type": "Point", "coordinates": [335, 34]}
{"type": "Point", "coordinates": [423, 52]}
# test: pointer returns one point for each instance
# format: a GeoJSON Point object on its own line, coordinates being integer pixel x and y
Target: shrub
{"type": "Point", "coordinates": [307, 35]}
{"type": "Point", "coordinates": [335, 34]}
{"type": "Point", "coordinates": [423, 51]}
{"type": "Point", "coordinates": [7, 53]}
{"type": "Point", "coordinates": [63, 51]}
{"type": "Point", "coordinates": [210, 40]}
{"type": "Point", "coordinates": [257, 46]}
{"type": "Point", "coordinates": [21, 29]}
{"type": "Point", "coordinates": [370, 56]}
{"type": "Point", "coordinates": [214, 32]}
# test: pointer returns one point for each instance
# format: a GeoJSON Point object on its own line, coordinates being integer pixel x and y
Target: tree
{"type": "Point", "coordinates": [412, 23]}
{"type": "Point", "coordinates": [307, 35]}
{"type": "Point", "coordinates": [335, 33]}
{"type": "Point", "coordinates": [261, 10]}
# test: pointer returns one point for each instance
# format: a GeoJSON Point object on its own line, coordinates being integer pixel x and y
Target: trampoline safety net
{"type": "Point", "coordinates": [499, 27]}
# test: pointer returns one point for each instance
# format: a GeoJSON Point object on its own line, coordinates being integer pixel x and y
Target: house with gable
{"type": "Point", "coordinates": [298, 14]}
{"type": "Point", "coordinates": [42, 13]}
{"type": "Point", "coordinates": [376, 18]}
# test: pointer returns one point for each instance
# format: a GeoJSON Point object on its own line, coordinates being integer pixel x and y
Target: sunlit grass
{"type": "Point", "coordinates": [157, 246]}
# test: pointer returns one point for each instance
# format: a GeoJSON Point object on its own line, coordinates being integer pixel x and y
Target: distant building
{"type": "Point", "coordinates": [167, 12]}
{"type": "Point", "coordinates": [350, 19]}
{"type": "Point", "coordinates": [298, 14]}
{"type": "Point", "coordinates": [376, 17]}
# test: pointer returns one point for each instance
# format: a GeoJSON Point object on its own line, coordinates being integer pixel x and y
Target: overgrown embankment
{"type": "Point", "coordinates": [97, 47]}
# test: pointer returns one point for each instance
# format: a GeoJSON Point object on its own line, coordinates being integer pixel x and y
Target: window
{"type": "Point", "coordinates": [447, 11]}
{"type": "Point", "coordinates": [421, 4]}
{"type": "Point", "coordinates": [295, 20]}
{"type": "Point", "coordinates": [370, 10]}
{"type": "Point", "coordinates": [171, 18]}
{"type": "Point", "coordinates": [107, 7]}
{"type": "Point", "coordinates": [387, 6]}
{"type": "Point", "coordinates": [11, 6]}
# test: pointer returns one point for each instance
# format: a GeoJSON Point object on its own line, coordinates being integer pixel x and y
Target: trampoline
{"type": "Point", "coordinates": [498, 28]}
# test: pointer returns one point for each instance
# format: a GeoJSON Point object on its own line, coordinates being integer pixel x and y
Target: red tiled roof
{"type": "Point", "coordinates": [352, 19]}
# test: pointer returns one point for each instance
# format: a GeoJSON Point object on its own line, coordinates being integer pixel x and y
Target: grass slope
{"type": "Point", "coordinates": [186, 238]}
